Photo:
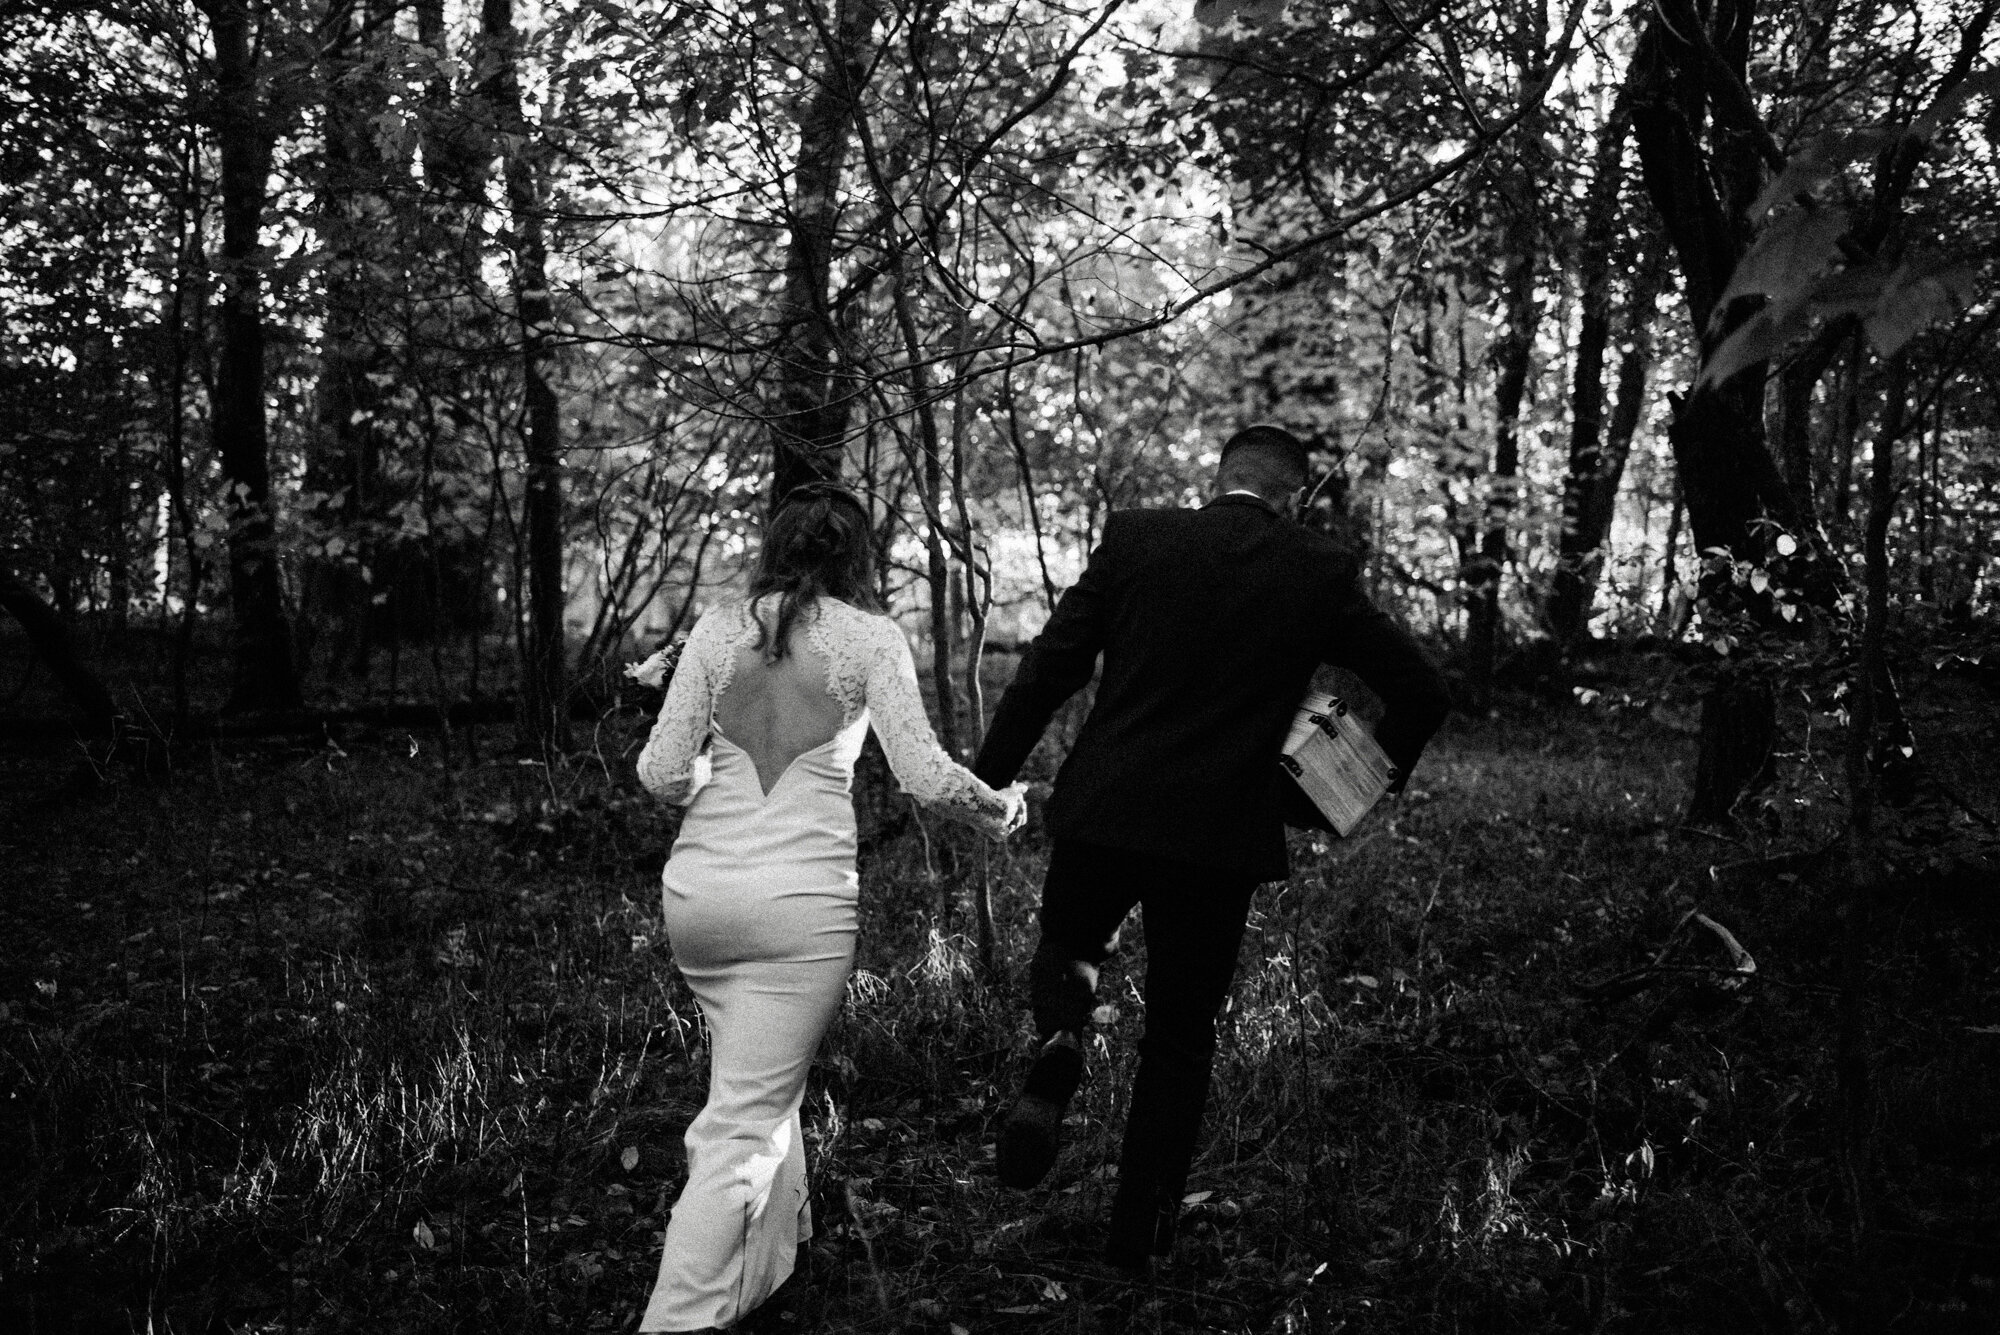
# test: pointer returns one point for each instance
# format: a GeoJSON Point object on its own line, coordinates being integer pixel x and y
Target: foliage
{"type": "Point", "coordinates": [1895, 298]}
{"type": "Point", "coordinates": [1072, 248]}
{"type": "Point", "coordinates": [340, 1033]}
{"type": "Point", "coordinates": [333, 1034]}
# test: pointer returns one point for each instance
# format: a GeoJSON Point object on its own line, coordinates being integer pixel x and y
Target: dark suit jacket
{"type": "Point", "coordinates": [1210, 623]}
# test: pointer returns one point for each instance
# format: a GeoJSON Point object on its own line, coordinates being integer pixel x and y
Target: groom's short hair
{"type": "Point", "coordinates": [1265, 458]}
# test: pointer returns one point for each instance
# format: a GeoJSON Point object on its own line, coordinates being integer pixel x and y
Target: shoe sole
{"type": "Point", "coordinates": [1029, 1142]}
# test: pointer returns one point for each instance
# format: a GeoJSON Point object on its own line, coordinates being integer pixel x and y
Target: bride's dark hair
{"type": "Point", "coordinates": [818, 544]}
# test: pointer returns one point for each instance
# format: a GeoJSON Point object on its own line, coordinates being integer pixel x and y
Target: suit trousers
{"type": "Point", "coordinates": [1193, 919]}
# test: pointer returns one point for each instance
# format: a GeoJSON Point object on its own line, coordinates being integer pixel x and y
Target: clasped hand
{"type": "Point", "coordinates": [1016, 795]}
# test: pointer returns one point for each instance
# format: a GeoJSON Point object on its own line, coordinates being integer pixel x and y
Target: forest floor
{"type": "Point", "coordinates": [374, 1034]}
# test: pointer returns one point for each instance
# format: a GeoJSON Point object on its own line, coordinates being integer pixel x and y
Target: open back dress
{"type": "Point", "coordinates": [760, 896]}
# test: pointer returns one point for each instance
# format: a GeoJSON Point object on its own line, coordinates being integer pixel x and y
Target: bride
{"type": "Point", "coordinates": [763, 719]}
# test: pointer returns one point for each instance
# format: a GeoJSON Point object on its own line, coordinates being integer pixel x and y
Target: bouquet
{"type": "Point", "coordinates": [657, 669]}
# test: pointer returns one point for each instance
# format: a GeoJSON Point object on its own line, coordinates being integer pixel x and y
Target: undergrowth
{"type": "Point", "coordinates": [348, 1037]}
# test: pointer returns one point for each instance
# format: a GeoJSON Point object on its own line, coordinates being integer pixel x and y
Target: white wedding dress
{"type": "Point", "coordinates": [759, 897]}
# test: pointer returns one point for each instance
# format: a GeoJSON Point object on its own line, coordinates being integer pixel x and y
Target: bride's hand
{"type": "Point", "coordinates": [1017, 807]}
{"type": "Point", "coordinates": [656, 669]}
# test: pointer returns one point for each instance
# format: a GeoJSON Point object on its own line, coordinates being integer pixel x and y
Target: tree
{"type": "Point", "coordinates": [809, 408]}
{"type": "Point", "coordinates": [1705, 153]}
{"type": "Point", "coordinates": [344, 462]}
{"type": "Point", "coordinates": [1597, 456]}
{"type": "Point", "coordinates": [545, 702]}
{"type": "Point", "coordinates": [1708, 155]}
{"type": "Point", "coordinates": [1513, 356]}
{"type": "Point", "coordinates": [261, 631]}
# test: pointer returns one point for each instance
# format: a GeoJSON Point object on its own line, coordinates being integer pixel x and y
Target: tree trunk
{"type": "Point", "coordinates": [809, 419]}
{"type": "Point", "coordinates": [1862, 856]}
{"type": "Point", "coordinates": [545, 669]}
{"type": "Point", "coordinates": [1671, 622]}
{"type": "Point", "coordinates": [938, 567]}
{"type": "Point", "coordinates": [180, 505]}
{"type": "Point", "coordinates": [1718, 442]}
{"type": "Point", "coordinates": [118, 528]}
{"type": "Point", "coordinates": [455, 164]}
{"type": "Point", "coordinates": [1513, 358]}
{"type": "Point", "coordinates": [547, 656]}
{"type": "Point", "coordinates": [1634, 372]}
{"type": "Point", "coordinates": [1728, 475]}
{"type": "Point", "coordinates": [1687, 77]}
{"type": "Point", "coordinates": [1590, 491]}
{"type": "Point", "coordinates": [344, 461]}
{"type": "Point", "coordinates": [976, 584]}
{"type": "Point", "coordinates": [1797, 383]}
{"type": "Point", "coordinates": [976, 593]}
{"type": "Point", "coordinates": [1026, 477]}
{"type": "Point", "coordinates": [1579, 556]}
{"type": "Point", "coordinates": [261, 641]}
{"type": "Point", "coordinates": [49, 638]}
{"type": "Point", "coordinates": [1738, 740]}
{"type": "Point", "coordinates": [1453, 430]}
{"type": "Point", "coordinates": [1845, 437]}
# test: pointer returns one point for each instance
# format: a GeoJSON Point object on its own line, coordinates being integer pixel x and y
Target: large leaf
{"type": "Point", "coordinates": [1814, 163]}
{"type": "Point", "coordinates": [1787, 255]}
{"type": "Point", "coordinates": [1848, 292]}
{"type": "Point", "coordinates": [1915, 298]}
{"type": "Point", "coordinates": [1760, 338]}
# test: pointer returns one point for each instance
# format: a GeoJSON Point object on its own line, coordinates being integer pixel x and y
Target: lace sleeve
{"type": "Point", "coordinates": [674, 765]}
{"type": "Point", "coordinates": [927, 773]}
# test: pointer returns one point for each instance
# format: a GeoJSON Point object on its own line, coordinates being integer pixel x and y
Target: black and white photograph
{"type": "Point", "coordinates": [999, 667]}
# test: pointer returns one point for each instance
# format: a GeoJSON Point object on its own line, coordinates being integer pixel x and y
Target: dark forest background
{"type": "Point", "coordinates": [378, 377]}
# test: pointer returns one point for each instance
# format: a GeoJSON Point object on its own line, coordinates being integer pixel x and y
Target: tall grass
{"type": "Point", "coordinates": [339, 1038]}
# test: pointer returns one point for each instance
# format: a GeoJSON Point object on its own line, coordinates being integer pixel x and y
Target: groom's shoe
{"type": "Point", "coordinates": [1130, 1264]}
{"type": "Point", "coordinates": [1032, 1129]}
{"type": "Point", "coordinates": [1143, 1224]}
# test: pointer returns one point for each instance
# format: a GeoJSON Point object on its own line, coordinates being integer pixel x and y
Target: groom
{"type": "Point", "coordinates": [1210, 623]}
